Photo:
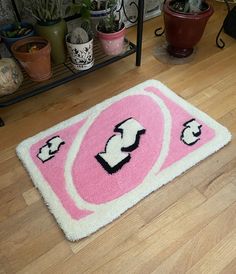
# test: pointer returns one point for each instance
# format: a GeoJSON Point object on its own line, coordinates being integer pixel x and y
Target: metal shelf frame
{"type": "Point", "coordinates": [64, 73]}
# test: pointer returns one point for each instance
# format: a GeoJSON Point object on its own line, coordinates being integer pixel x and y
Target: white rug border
{"type": "Point", "coordinates": [75, 230]}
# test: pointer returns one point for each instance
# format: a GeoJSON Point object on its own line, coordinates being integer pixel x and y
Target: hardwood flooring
{"type": "Point", "coordinates": [188, 226]}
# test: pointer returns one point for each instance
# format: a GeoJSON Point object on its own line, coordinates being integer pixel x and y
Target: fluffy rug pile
{"type": "Point", "coordinates": [94, 166]}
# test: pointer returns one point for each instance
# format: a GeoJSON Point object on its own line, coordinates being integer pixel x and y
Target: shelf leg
{"type": "Point", "coordinates": [1, 122]}
{"type": "Point", "coordinates": [139, 32]}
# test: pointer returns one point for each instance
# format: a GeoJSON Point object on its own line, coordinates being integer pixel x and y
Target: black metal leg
{"type": "Point", "coordinates": [1, 122]}
{"type": "Point", "coordinates": [139, 32]}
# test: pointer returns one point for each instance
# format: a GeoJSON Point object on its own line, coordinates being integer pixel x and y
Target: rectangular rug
{"type": "Point", "coordinates": [93, 167]}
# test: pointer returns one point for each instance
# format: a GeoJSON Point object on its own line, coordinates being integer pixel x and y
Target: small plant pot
{"type": "Point", "coordinates": [81, 54]}
{"type": "Point", "coordinates": [55, 32]}
{"type": "Point", "coordinates": [9, 27]}
{"type": "Point", "coordinates": [37, 64]}
{"type": "Point", "coordinates": [112, 43]}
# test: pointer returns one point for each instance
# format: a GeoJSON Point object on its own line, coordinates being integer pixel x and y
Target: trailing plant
{"type": "Point", "coordinates": [44, 10]}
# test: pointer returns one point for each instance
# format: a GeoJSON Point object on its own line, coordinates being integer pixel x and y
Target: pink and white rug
{"type": "Point", "coordinates": [94, 166]}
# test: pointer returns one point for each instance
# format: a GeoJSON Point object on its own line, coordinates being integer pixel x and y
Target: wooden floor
{"type": "Point", "coordinates": [188, 226]}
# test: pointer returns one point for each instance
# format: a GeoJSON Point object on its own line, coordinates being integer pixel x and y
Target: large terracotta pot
{"type": "Point", "coordinates": [54, 32]}
{"type": "Point", "coordinates": [184, 30]}
{"type": "Point", "coordinates": [37, 64]}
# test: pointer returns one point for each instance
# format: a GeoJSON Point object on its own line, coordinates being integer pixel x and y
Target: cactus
{"type": "Point", "coordinates": [79, 36]}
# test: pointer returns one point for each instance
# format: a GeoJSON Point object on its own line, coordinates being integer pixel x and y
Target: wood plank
{"type": "Point", "coordinates": [31, 196]}
{"type": "Point", "coordinates": [218, 257]}
{"type": "Point", "coordinates": [97, 249]}
{"type": "Point", "coordinates": [11, 207]}
{"type": "Point", "coordinates": [191, 200]}
{"type": "Point", "coordinates": [55, 255]}
{"type": "Point", "coordinates": [224, 176]}
{"type": "Point", "coordinates": [230, 268]}
{"type": "Point", "coordinates": [181, 207]}
{"type": "Point", "coordinates": [203, 242]}
{"type": "Point", "coordinates": [158, 246]}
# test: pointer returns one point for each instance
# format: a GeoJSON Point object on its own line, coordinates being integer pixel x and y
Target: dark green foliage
{"type": "Point", "coordinates": [45, 10]}
{"type": "Point", "coordinates": [187, 6]}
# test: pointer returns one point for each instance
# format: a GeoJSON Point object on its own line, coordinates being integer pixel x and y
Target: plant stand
{"type": "Point", "coordinates": [65, 72]}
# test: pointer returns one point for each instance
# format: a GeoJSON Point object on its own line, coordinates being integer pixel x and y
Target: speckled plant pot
{"type": "Point", "coordinates": [112, 43]}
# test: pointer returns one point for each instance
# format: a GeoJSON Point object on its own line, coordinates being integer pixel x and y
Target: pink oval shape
{"type": "Point", "coordinates": [93, 183]}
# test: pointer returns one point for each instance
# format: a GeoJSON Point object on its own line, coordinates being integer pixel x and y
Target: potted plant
{"type": "Point", "coordinates": [96, 10]}
{"type": "Point", "coordinates": [33, 54]}
{"type": "Point", "coordinates": [99, 9]}
{"type": "Point", "coordinates": [80, 47]}
{"type": "Point", "coordinates": [185, 21]}
{"type": "Point", "coordinates": [80, 40]}
{"type": "Point", "coordinates": [50, 25]}
{"type": "Point", "coordinates": [11, 33]}
{"type": "Point", "coordinates": [111, 32]}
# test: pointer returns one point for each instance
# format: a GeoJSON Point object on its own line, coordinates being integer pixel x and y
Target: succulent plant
{"type": "Point", "coordinates": [79, 36]}
{"type": "Point", "coordinates": [110, 23]}
{"type": "Point", "coordinates": [188, 6]}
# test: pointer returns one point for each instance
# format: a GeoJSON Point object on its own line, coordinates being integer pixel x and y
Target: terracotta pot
{"type": "Point", "coordinates": [112, 43]}
{"type": "Point", "coordinates": [184, 30]}
{"type": "Point", "coordinates": [37, 64]}
{"type": "Point", "coordinates": [54, 32]}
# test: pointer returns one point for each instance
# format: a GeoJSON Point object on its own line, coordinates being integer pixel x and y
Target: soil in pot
{"type": "Point", "coordinates": [33, 54]}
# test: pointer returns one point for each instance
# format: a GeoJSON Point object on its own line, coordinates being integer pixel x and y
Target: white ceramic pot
{"type": "Point", "coordinates": [81, 54]}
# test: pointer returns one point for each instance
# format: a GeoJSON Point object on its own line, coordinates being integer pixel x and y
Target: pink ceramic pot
{"type": "Point", "coordinates": [112, 43]}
